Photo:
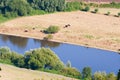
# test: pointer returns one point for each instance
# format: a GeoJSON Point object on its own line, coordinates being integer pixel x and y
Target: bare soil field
{"type": "Point", "coordinates": [13, 73]}
{"type": "Point", "coordinates": [92, 30]}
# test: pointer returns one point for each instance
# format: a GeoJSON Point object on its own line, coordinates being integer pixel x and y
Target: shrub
{"type": "Point", "coordinates": [0, 69]}
{"type": "Point", "coordinates": [96, 10]}
{"type": "Point", "coordinates": [86, 73]}
{"type": "Point", "coordinates": [87, 8]}
{"type": "Point", "coordinates": [108, 13]}
{"type": "Point", "coordinates": [72, 6]}
{"type": "Point", "coordinates": [52, 29]}
{"type": "Point", "coordinates": [72, 72]}
{"type": "Point", "coordinates": [118, 75]}
{"type": "Point", "coordinates": [99, 76]}
{"type": "Point", "coordinates": [111, 76]}
{"type": "Point", "coordinates": [119, 14]}
{"type": "Point", "coordinates": [48, 37]}
{"type": "Point", "coordinates": [68, 64]}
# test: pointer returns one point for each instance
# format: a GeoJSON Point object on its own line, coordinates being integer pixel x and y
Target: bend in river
{"type": "Point", "coordinates": [79, 56]}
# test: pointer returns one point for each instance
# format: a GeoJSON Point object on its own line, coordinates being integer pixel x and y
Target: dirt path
{"type": "Point", "coordinates": [87, 29]}
{"type": "Point", "coordinates": [13, 73]}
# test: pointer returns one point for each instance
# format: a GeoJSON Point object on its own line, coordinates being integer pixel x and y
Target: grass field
{"type": "Point", "coordinates": [13, 73]}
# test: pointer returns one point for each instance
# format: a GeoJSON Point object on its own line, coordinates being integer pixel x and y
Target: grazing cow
{"type": "Point", "coordinates": [33, 28]}
{"type": "Point", "coordinates": [68, 25]}
{"type": "Point", "coordinates": [25, 30]}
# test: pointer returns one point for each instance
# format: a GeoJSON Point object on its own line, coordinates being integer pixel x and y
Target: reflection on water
{"type": "Point", "coordinates": [51, 44]}
{"type": "Point", "coordinates": [22, 42]}
{"type": "Point", "coordinates": [79, 56]}
{"type": "Point", "coordinates": [45, 43]}
{"type": "Point", "coordinates": [18, 41]}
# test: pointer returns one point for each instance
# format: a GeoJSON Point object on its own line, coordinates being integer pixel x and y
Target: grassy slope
{"type": "Point", "coordinates": [13, 73]}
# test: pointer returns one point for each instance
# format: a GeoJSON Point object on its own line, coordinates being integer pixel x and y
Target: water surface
{"type": "Point", "coordinates": [79, 56]}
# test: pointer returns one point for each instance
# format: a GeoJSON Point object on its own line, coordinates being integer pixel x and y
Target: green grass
{"type": "Point", "coordinates": [3, 19]}
{"type": "Point", "coordinates": [5, 62]}
{"type": "Point", "coordinates": [89, 36]}
{"type": "Point", "coordinates": [117, 40]}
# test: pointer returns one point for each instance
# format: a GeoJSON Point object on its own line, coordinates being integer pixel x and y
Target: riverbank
{"type": "Point", "coordinates": [87, 29]}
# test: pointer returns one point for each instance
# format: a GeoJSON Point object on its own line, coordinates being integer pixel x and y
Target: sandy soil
{"type": "Point", "coordinates": [13, 73]}
{"type": "Point", "coordinates": [94, 30]}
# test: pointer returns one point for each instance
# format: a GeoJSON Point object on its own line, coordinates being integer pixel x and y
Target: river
{"type": "Point", "coordinates": [79, 56]}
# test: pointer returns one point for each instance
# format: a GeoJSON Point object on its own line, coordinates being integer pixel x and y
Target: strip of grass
{"type": "Point", "coordinates": [3, 19]}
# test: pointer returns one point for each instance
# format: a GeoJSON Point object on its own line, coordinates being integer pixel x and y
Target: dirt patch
{"type": "Point", "coordinates": [85, 28]}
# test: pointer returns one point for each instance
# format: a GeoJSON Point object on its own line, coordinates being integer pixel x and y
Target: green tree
{"type": "Point", "coordinates": [68, 64]}
{"type": "Point", "coordinates": [48, 5]}
{"type": "Point", "coordinates": [87, 8]}
{"type": "Point", "coordinates": [43, 58]}
{"type": "Point", "coordinates": [111, 76]}
{"type": "Point", "coordinates": [71, 72]}
{"type": "Point", "coordinates": [72, 6]}
{"type": "Point", "coordinates": [21, 7]}
{"type": "Point", "coordinates": [99, 76]}
{"type": "Point", "coordinates": [86, 73]}
{"type": "Point", "coordinates": [119, 14]}
{"type": "Point", "coordinates": [118, 75]}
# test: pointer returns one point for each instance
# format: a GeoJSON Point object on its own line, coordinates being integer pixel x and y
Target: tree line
{"type": "Point", "coordinates": [46, 60]}
{"type": "Point", "coordinates": [13, 8]}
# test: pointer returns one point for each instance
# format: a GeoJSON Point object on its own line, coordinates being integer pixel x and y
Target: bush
{"type": "Point", "coordinates": [108, 13]}
{"type": "Point", "coordinates": [48, 37]}
{"type": "Point", "coordinates": [96, 10]}
{"type": "Point", "coordinates": [73, 6]}
{"type": "Point", "coordinates": [52, 29]}
{"type": "Point", "coordinates": [111, 76]}
{"type": "Point", "coordinates": [0, 69]}
{"type": "Point", "coordinates": [87, 8]}
{"type": "Point", "coordinates": [72, 72]}
{"type": "Point", "coordinates": [99, 76]}
{"type": "Point", "coordinates": [87, 73]}
{"type": "Point", "coordinates": [118, 75]}
{"type": "Point", "coordinates": [119, 14]}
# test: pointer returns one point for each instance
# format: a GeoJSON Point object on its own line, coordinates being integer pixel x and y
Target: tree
{"type": "Point", "coordinates": [99, 76]}
{"type": "Point", "coordinates": [48, 5]}
{"type": "Point", "coordinates": [68, 64]}
{"type": "Point", "coordinates": [19, 61]}
{"type": "Point", "coordinates": [118, 75]}
{"type": "Point", "coordinates": [111, 76]}
{"type": "Point", "coordinates": [42, 58]}
{"type": "Point", "coordinates": [86, 73]}
{"type": "Point", "coordinates": [21, 7]}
